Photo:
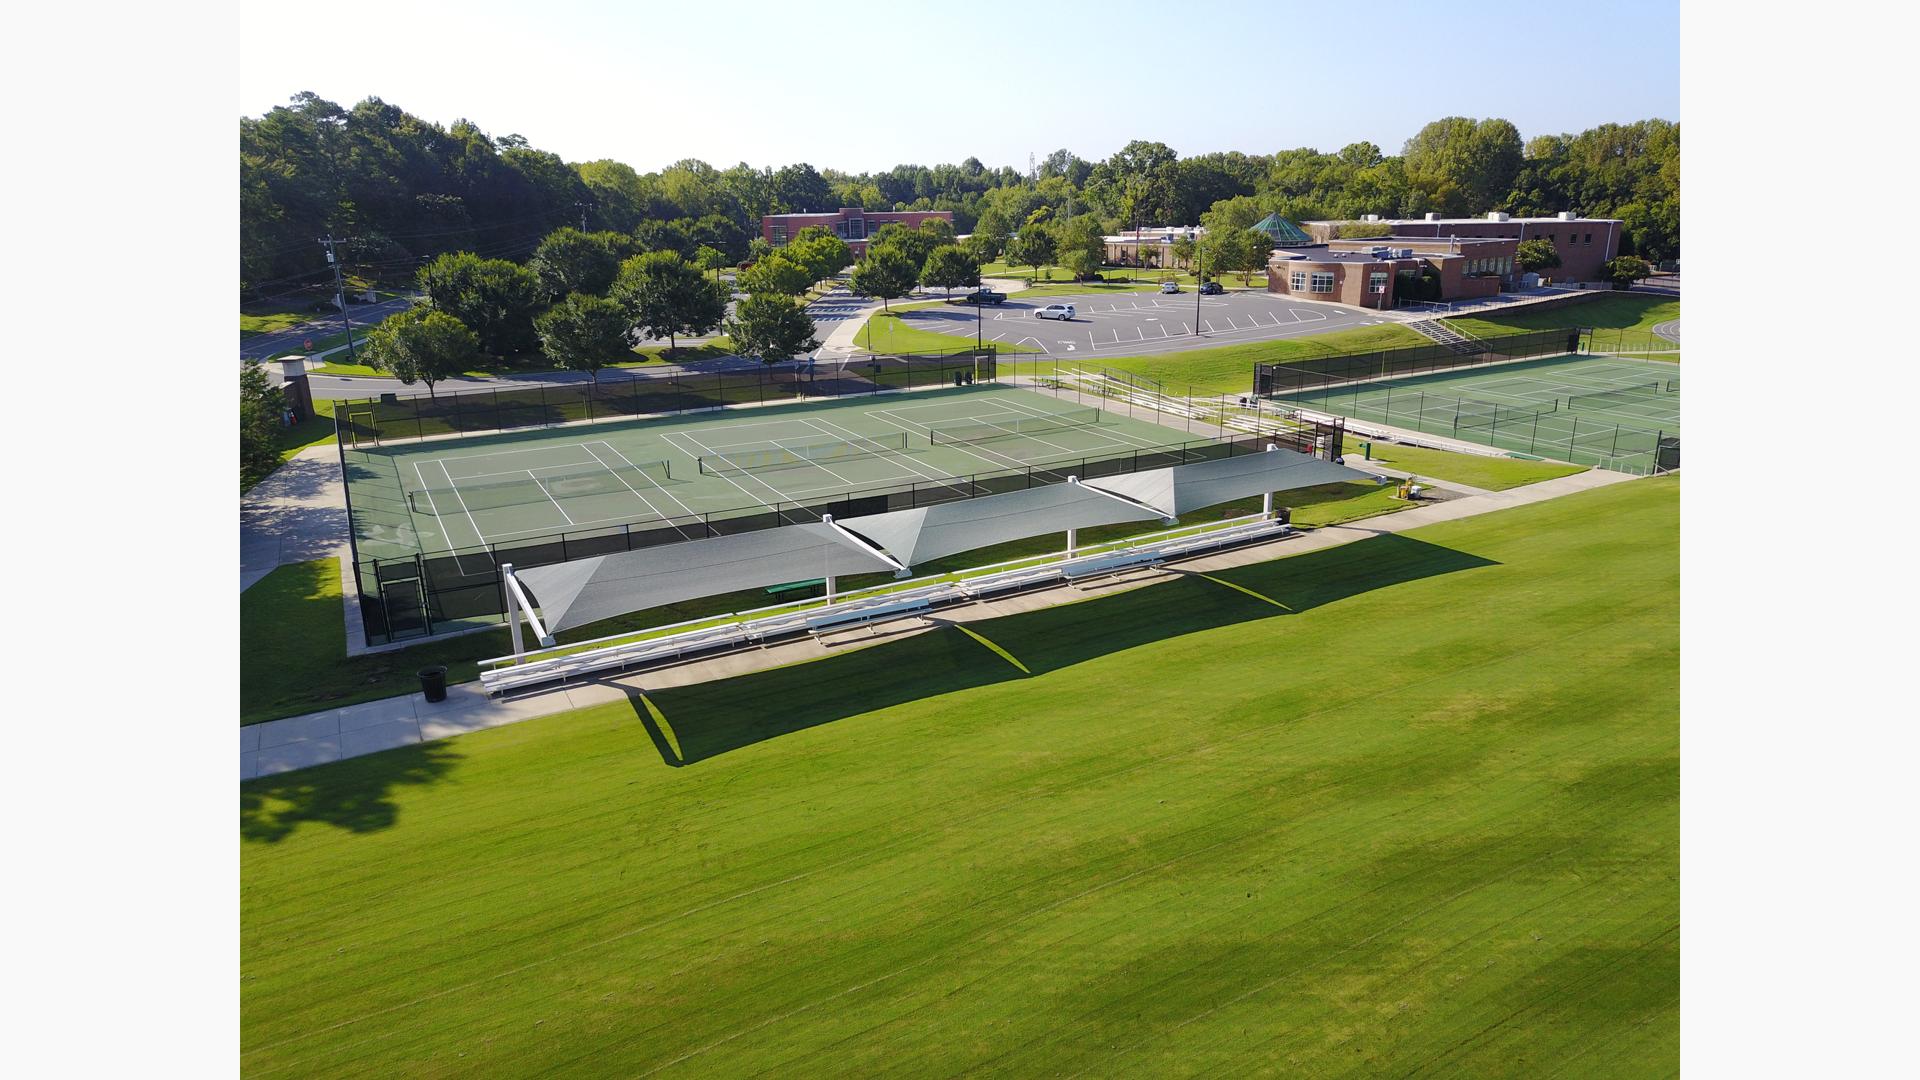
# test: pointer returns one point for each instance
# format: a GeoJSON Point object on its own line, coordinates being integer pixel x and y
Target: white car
{"type": "Point", "coordinates": [1054, 311]}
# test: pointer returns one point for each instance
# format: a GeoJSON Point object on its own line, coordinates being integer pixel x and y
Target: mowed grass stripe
{"type": "Point", "coordinates": [967, 825]}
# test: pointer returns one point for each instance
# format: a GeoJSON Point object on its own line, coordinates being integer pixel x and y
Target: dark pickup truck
{"type": "Point", "coordinates": [984, 296]}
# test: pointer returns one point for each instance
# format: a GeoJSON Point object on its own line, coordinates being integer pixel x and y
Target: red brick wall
{"type": "Point", "coordinates": [793, 223]}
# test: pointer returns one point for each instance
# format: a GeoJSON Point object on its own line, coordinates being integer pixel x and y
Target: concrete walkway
{"type": "Point", "coordinates": [336, 734]}
{"type": "Point", "coordinates": [297, 513]}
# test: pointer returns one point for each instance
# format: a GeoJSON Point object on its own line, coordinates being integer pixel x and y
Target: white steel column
{"type": "Point", "coordinates": [513, 609]}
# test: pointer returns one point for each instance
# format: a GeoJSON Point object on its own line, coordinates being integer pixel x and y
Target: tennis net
{"type": "Point", "coordinates": [1479, 414]}
{"type": "Point", "coordinates": [535, 487]}
{"type": "Point", "coordinates": [973, 431]}
{"type": "Point", "coordinates": [785, 457]}
{"type": "Point", "coordinates": [1639, 392]}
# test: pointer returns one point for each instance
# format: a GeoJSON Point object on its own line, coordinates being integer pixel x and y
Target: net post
{"type": "Point", "coordinates": [1073, 535]}
{"type": "Point", "coordinates": [1266, 497]}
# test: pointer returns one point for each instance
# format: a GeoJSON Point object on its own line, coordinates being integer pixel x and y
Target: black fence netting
{"type": "Point", "coordinates": [418, 595]}
{"type": "Point", "coordinates": [621, 395]}
{"type": "Point", "coordinates": [1320, 372]}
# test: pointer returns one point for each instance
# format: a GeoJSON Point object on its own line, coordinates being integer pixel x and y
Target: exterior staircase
{"type": "Point", "coordinates": [1444, 333]}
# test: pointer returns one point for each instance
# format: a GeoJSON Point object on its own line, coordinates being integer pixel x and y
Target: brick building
{"type": "Point", "coordinates": [849, 223]}
{"type": "Point", "coordinates": [1375, 272]}
{"type": "Point", "coordinates": [1583, 244]}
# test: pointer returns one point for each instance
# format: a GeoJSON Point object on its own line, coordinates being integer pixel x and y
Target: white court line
{"type": "Point", "coordinates": [817, 465]}
{"type": "Point", "coordinates": [441, 461]}
{"type": "Point", "coordinates": [1124, 443]}
{"type": "Point", "coordinates": [648, 503]}
{"type": "Point", "coordinates": [856, 438]}
{"type": "Point", "coordinates": [696, 455]}
{"type": "Point", "coordinates": [1004, 462]}
{"type": "Point", "coordinates": [615, 451]}
{"type": "Point", "coordinates": [445, 536]}
{"type": "Point", "coordinates": [543, 491]}
{"type": "Point", "coordinates": [779, 495]}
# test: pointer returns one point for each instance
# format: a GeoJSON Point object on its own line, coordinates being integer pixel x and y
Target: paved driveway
{"type": "Point", "coordinates": [293, 339]}
{"type": "Point", "coordinates": [1107, 324]}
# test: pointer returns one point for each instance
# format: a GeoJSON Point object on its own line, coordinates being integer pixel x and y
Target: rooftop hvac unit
{"type": "Point", "coordinates": [1433, 215]}
{"type": "Point", "coordinates": [1568, 215]}
{"type": "Point", "coordinates": [1369, 217]}
{"type": "Point", "coordinates": [1496, 215]}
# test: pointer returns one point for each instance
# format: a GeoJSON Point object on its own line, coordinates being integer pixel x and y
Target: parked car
{"type": "Point", "coordinates": [1169, 286]}
{"type": "Point", "coordinates": [985, 296]}
{"type": "Point", "coordinates": [1063, 312]}
{"type": "Point", "coordinates": [1211, 288]}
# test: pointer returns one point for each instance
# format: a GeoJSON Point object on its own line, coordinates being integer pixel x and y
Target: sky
{"type": "Point", "coordinates": [864, 87]}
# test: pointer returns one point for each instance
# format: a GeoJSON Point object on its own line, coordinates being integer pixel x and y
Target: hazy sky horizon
{"type": "Point", "coordinates": [867, 87]}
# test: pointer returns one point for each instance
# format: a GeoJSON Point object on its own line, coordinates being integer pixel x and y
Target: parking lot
{"type": "Point", "coordinates": [1140, 322]}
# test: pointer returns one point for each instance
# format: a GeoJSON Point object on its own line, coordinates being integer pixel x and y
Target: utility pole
{"type": "Point", "coordinates": [339, 293]}
{"type": "Point", "coordinates": [1199, 278]}
{"type": "Point", "coordinates": [582, 207]}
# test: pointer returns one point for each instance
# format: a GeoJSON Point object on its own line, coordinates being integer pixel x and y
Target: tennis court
{"type": "Point", "coordinates": [463, 494]}
{"type": "Point", "coordinates": [1588, 410]}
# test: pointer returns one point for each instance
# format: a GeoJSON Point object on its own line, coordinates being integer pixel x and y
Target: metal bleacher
{"type": "Point", "coordinates": [889, 604]}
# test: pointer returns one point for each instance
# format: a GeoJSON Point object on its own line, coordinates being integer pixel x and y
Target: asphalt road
{"type": "Point", "coordinates": [1107, 324]}
{"type": "Point", "coordinates": [293, 340]}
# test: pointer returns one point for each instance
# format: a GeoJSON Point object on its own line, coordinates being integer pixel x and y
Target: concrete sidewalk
{"type": "Point", "coordinates": [297, 513]}
{"type": "Point", "coordinates": [335, 734]}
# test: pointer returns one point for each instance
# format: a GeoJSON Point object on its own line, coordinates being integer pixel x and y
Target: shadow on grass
{"type": "Point", "coordinates": [356, 794]}
{"type": "Point", "coordinates": [710, 719]}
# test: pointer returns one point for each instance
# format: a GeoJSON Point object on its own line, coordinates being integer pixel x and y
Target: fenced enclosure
{"type": "Point", "coordinates": [391, 417]}
{"type": "Point", "coordinates": [1611, 412]}
{"type": "Point", "coordinates": [1289, 378]}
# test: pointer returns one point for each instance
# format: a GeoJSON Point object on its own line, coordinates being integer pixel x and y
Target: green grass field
{"type": "Point", "coordinates": [888, 333]}
{"type": "Point", "coordinates": [1489, 473]}
{"type": "Point", "coordinates": [1411, 809]}
{"type": "Point", "coordinates": [1610, 311]}
{"type": "Point", "coordinates": [1228, 369]}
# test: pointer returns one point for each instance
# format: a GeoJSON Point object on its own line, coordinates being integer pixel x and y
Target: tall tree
{"type": "Point", "coordinates": [822, 253]}
{"type": "Point", "coordinates": [776, 274]}
{"type": "Point", "coordinates": [1624, 270]}
{"type": "Point", "coordinates": [585, 333]}
{"type": "Point", "coordinates": [950, 265]}
{"type": "Point", "coordinates": [571, 261]}
{"type": "Point", "coordinates": [422, 344]}
{"type": "Point", "coordinates": [771, 327]}
{"type": "Point", "coordinates": [1030, 247]}
{"type": "Point", "coordinates": [1534, 255]}
{"type": "Point", "coordinates": [1466, 166]}
{"type": "Point", "coordinates": [494, 298]}
{"type": "Point", "coordinates": [666, 296]}
{"type": "Point", "coordinates": [886, 272]}
{"type": "Point", "coordinates": [261, 404]}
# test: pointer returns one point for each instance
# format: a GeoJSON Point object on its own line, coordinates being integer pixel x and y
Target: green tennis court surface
{"type": "Point", "coordinates": [460, 494]}
{"type": "Point", "coordinates": [1591, 411]}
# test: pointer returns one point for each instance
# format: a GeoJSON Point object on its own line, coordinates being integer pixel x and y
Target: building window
{"type": "Point", "coordinates": [1376, 283]}
{"type": "Point", "coordinates": [779, 236]}
{"type": "Point", "coordinates": [1588, 240]}
{"type": "Point", "coordinates": [857, 229]}
{"type": "Point", "coordinates": [1322, 282]}
{"type": "Point", "coordinates": [1297, 281]}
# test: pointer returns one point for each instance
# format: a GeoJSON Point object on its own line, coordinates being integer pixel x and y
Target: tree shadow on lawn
{"type": "Point", "coordinates": [355, 794]}
{"type": "Point", "coordinates": [710, 719]}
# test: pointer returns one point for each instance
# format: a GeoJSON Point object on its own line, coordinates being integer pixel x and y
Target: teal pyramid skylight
{"type": "Point", "coordinates": [1282, 230]}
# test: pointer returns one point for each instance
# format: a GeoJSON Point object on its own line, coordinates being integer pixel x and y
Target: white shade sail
{"type": "Point", "coordinates": [576, 593]}
{"type": "Point", "coordinates": [1185, 488]}
{"type": "Point", "coordinates": [929, 532]}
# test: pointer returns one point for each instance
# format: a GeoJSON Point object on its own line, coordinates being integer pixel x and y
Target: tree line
{"type": "Point", "coordinates": [399, 191]}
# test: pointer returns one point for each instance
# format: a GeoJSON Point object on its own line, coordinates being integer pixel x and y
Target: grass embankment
{"type": "Point", "coordinates": [295, 661]}
{"type": "Point", "coordinates": [1489, 473]}
{"type": "Point", "coordinates": [1623, 323]}
{"type": "Point", "coordinates": [1410, 807]}
{"type": "Point", "coordinates": [1228, 369]}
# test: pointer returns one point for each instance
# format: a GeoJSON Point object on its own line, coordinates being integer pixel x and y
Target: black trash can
{"type": "Point", "coordinates": [433, 682]}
